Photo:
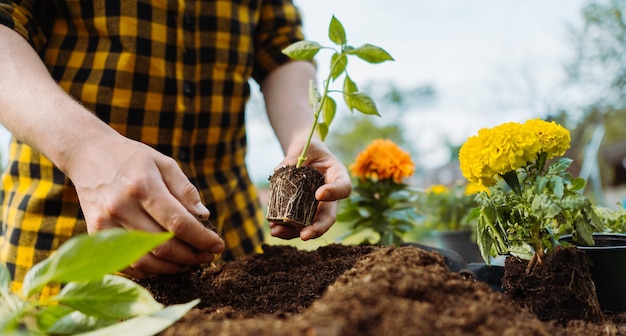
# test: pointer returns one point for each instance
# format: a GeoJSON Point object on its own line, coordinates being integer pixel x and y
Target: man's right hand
{"type": "Point", "coordinates": [120, 182]}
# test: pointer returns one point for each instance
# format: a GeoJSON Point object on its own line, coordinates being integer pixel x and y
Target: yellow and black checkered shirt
{"type": "Point", "coordinates": [172, 74]}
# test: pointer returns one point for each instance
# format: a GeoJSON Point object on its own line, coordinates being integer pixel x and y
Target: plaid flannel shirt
{"type": "Point", "coordinates": [171, 74]}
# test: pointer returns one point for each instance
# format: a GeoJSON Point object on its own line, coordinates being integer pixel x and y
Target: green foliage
{"type": "Point", "coordinates": [92, 301]}
{"type": "Point", "coordinates": [323, 105]}
{"type": "Point", "coordinates": [386, 207]}
{"type": "Point", "coordinates": [613, 220]}
{"type": "Point", "coordinates": [447, 209]}
{"type": "Point", "coordinates": [601, 50]}
{"type": "Point", "coordinates": [547, 204]}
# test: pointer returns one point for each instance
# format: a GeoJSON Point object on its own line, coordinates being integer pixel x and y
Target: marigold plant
{"type": "Point", "coordinates": [380, 200]}
{"type": "Point", "coordinates": [530, 202]}
{"type": "Point", "coordinates": [382, 160]}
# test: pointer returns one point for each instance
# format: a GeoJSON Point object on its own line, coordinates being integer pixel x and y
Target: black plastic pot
{"type": "Point", "coordinates": [608, 268]}
{"type": "Point", "coordinates": [459, 241]}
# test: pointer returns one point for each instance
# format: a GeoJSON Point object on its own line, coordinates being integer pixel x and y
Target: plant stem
{"type": "Point", "coordinates": [317, 108]}
{"type": "Point", "coordinates": [316, 117]}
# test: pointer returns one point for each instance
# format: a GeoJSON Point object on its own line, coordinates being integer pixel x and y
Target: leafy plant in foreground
{"type": "Point", "coordinates": [324, 106]}
{"type": "Point", "coordinates": [92, 300]}
{"type": "Point", "coordinates": [542, 200]}
{"type": "Point", "coordinates": [381, 201]}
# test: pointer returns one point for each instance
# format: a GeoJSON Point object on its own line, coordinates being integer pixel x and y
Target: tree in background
{"type": "Point", "coordinates": [353, 132]}
{"type": "Point", "coordinates": [598, 69]}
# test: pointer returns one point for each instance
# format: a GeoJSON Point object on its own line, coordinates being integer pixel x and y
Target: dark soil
{"type": "Point", "coordinates": [561, 280]}
{"type": "Point", "coordinates": [353, 290]}
{"type": "Point", "coordinates": [292, 195]}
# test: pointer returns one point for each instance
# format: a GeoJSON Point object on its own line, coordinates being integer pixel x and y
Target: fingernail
{"type": "Point", "coordinates": [202, 213]}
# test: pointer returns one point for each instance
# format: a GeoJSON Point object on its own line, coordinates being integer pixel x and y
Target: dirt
{"type": "Point", "coordinates": [562, 279]}
{"type": "Point", "coordinates": [354, 290]}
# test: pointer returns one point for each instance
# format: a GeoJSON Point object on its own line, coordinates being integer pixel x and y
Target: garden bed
{"type": "Point", "coordinates": [351, 290]}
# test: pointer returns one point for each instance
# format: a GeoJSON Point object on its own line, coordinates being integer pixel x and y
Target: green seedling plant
{"type": "Point", "coordinates": [324, 106]}
{"type": "Point", "coordinates": [92, 301]}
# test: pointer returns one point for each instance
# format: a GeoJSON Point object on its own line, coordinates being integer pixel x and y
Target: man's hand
{"type": "Point", "coordinates": [128, 184]}
{"type": "Point", "coordinates": [337, 186]}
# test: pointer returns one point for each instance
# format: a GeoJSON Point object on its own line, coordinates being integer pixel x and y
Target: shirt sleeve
{"type": "Point", "coordinates": [23, 17]}
{"type": "Point", "coordinates": [279, 26]}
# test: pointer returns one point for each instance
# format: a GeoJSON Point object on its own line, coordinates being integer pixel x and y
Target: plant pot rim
{"type": "Point", "coordinates": [451, 232]}
{"type": "Point", "coordinates": [610, 241]}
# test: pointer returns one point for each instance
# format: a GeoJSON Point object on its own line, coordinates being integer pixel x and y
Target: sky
{"type": "Point", "coordinates": [490, 61]}
{"type": "Point", "coordinates": [479, 55]}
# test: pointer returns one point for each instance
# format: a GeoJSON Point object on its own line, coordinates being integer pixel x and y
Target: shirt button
{"type": "Point", "coordinates": [188, 20]}
{"type": "Point", "coordinates": [183, 154]}
{"type": "Point", "coordinates": [188, 89]}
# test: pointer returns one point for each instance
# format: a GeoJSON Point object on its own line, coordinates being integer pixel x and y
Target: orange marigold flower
{"type": "Point", "coordinates": [381, 160]}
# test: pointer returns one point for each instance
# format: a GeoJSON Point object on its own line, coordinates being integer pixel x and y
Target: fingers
{"type": "Point", "coordinates": [338, 188]}
{"type": "Point", "coordinates": [184, 191]}
{"type": "Point", "coordinates": [324, 219]}
{"type": "Point", "coordinates": [177, 208]}
{"type": "Point", "coordinates": [283, 231]}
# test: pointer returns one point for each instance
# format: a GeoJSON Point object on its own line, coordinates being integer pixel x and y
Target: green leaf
{"type": "Point", "coordinates": [578, 183]}
{"type": "Point", "coordinates": [541, 183]}
{"type": "Point", "coordinates": [51, 315]}
{"type": "Point", "coordinates": [10, 305]}
{"type": "Point", "coordinates": [5, 277]}
{"type": "Point", "coordinates": [349, 87]}
{"type": "Point", "coordinates": [336, 32]}
{"type": "Point", "coordinates": [363, 103]}
{"type": "Point", "coordinates": [371, 53]}
{"type": "Point", "coordinates": [338, 65]}
{"type": "Point", "coordinates": [113, 297]}
{"type": "Point", "coordinates": [559, 165]}
{"type": "Point", "coordinates": [322, 130]}
{"type": "Point", "coordinates": [523, 251]}
{"type": "Point", "coordinates": [302, 50]}
{"type": "Point", "coordinates": [89, 257]}
{"type": "Point", "coordinates": [77, 322]}
{"type": "Point", "coordinates": [146, 325]}
{"type": "Point", "coordinates": [364, 212]}
{"type": "Point", "coordinates": [584, 232]}
{"type": "Point", "coordinates": [485, 240]}
{"type": "Point", "coordinates": [329, 108]}
{"type": "Point", "coordinates": [558, 187]}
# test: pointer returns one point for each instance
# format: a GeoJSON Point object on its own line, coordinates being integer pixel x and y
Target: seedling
{"type": "Point", "coordinates": [297, 206]}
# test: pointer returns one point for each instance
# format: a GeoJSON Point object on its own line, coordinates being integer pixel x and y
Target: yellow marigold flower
{"type": "Point", "coordinates": [554, 138]}
{"type": "Point", "coordinates": [381, 160]}
{"type": "Point", "coordinates": [436, 189]}
{"type": "Point", "coordinates": [475, 188]}
{"type": "Point", "coordinates": [496, 151]}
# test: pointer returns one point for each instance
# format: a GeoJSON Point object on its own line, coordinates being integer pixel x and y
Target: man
{"type": "Point", "coordinates": [131, 114]}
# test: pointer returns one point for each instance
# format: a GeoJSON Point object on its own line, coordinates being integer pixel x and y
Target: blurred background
{"type": "Point", "coordinates": [464, 65]}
